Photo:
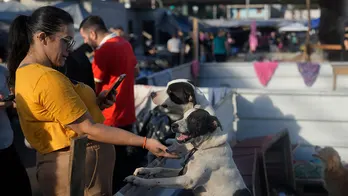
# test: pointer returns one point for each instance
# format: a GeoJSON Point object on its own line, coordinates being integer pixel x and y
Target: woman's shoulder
{"type": "Point", "coordinates": [35, 69]}
{"type": "Point", "coordinates": [36, 75]}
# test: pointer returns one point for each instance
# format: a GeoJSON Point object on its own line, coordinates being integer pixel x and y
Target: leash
{"type": "Point", "coordinates": [187, 160]}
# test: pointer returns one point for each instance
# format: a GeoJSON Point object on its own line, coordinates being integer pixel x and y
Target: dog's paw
{"type": "Point", "coordinates": [133, 180]}
{"type": "Point", "coordinates": [141, 172]}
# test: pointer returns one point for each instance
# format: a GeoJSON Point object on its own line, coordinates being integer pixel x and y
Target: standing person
{"type": "Point", "coordinates": [294, 42]}
{"type": "Point", "coordinates": [12, 171]}
{"type": "Point", "coordinates": [114, 56]}
{"type": "Point", "coordinates": [173, 46]}
{"type": "Point", "coordinates": [253, 41]}
{"type": "Point", "coordinates": [119, 31]}
{"type": "Point", "coordinates": [231, 43]}
{"type": "Point", "coordinates": [220, 47]}
{"type": "Point", "coordinates": [202, 47]}
{"type": "Point", "coordinates": [273, 42]}
{"type": "Point", "coordinates": [209, 46]}
{"type": "Point", "coordinates": [188, 45]}
{"type": "Point", "coordinates": [53, 109]}
{"type": "Point", "coordinates": [180, 35]}
{"type": "Point", "coordinates": [79, 67]}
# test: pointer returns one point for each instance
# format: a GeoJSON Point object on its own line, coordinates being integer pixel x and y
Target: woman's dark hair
{"type": "Point", "coordinates": [47, 19]}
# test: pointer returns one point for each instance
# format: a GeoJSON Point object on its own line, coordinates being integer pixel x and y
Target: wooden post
{"type": "Point", "coordinates": [77, 165]}
{"type": "Point", "coordinates": [308, 47]}
{"type": "Point", "coordinates": [247, 5]}
{"type": "Point", "coordinates": [195, 39]}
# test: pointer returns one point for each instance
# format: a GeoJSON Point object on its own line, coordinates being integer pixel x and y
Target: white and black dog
{"type": "Point", "coordinates": [209, 169]}
{"type": "Point", "coordinates": [179, 96]}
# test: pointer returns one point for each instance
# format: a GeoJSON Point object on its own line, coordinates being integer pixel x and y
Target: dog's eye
{"type": "Point", "coordinates": [164, 105]}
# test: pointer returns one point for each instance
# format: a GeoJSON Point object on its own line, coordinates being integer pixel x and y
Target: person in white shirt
{"type": "Point", "coordinates": [173, 46]}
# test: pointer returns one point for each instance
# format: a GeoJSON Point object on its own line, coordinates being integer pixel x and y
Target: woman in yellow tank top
{"type": "Point", "coordinates": [52, 109]}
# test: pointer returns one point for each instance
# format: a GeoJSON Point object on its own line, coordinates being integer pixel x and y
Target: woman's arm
{"type": "Point", "coordinates": [116, 136]}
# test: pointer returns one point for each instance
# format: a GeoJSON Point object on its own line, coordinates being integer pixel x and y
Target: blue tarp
{"type": "Point", "coordinates": [171, 22]}
{"type": "Point", "coordinates": [314, 23]}
{"type": "Point", "coordinates": [10, 10]}
{"type": "Point", "coordinates": [183, 23]}
{"type": "Point", "coordinates": [76, 10]}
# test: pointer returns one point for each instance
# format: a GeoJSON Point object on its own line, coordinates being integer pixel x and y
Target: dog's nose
{"type": "Point", "coordinates": [153, 94]}
{"type": "Point", "coordinates": [175, 126]}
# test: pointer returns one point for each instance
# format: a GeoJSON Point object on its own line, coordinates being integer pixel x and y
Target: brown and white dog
{"type": "Point", "coordinates": [335, 175]}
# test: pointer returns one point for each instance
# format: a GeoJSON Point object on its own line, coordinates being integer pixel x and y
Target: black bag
{"type": "Point", "coordinates": [154, 124]}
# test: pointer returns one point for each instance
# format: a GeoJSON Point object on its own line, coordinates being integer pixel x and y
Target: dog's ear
{"type": "Point", "coordinates": [333, 163]}
{"type": "Point", "coordinates": [214, 123]}
{"type": "Point", "coordinates": [181, 93]}
{"type": "Point", "coordinates": [191, 98]}
{"type": "Point", "coordinates": [190, 94]}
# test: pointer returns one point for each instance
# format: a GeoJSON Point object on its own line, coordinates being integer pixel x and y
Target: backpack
{"type": "Point", "coordinates": [154, 124]}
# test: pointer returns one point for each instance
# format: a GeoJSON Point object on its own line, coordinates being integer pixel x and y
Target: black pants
{"type": "Point", "coordinates": [175, 59]}
{"type": "Point", "coordinates": [127, 160]}
{"type": "Point", "coordinates": [14, 177]}
{"type": "Point", "coordinates": [220, 57]}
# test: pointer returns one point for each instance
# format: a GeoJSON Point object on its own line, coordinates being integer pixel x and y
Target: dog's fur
{"type": "Point", "coordinates": [210, 170]}
{"type": "Point", "coordinates": [335, 175]}
{"type": "Point", "coordinates": [179, 96]}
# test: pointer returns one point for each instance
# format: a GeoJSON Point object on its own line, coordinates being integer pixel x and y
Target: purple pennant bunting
{"type": "Point", "coordinates": [309, 72]}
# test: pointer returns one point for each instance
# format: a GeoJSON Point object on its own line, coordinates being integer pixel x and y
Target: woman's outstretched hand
{"type": "Point", "coordinates": [158, 149]}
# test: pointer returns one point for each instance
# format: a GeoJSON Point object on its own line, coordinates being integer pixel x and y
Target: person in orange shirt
{"type": "Point", "coordinates": [53, 109]}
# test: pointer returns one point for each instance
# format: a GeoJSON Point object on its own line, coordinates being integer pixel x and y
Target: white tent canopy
{"type": "Point", "coordinates": [273, 22]}
{"type": "Point", "coordinates": [294, 27]}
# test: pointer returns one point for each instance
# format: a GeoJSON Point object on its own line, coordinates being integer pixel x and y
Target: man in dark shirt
{"type": "Point", "coordinates": [78, 66]}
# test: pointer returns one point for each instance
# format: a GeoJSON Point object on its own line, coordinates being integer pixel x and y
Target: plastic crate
{"type": "Point", "coordinates": [274, 161]}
